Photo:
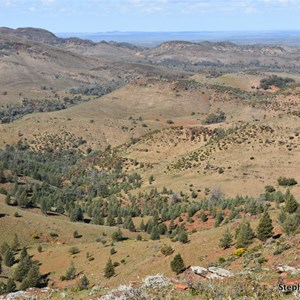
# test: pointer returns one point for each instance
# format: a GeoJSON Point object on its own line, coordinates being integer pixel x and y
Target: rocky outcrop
{"type": "Point", "coordinates": [287, 269]}
{"type": "Point", "coordinates": [211, 272]}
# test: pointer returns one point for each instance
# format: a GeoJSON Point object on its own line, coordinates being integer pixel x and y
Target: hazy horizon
{"type": "Point", "coordinates": [91, 16]}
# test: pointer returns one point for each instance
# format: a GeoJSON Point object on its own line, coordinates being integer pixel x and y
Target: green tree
{"type": "Point", "coordinates": [8, 199]}
{"type": "Point", "coordinates": [183, 237]}
{"type": "Point", "coordinates": [142, 226]}
{"type": "Point", "coordinates": [23, 253]}
{"type": "Point", "coordinates": [203, 216]}
{"type": "Point", "coordinates": [15, 244]}
{"type": "Point", "coordinates": [244, 235]}
{"type": "Point", "coordinates": [154, 234]}
{"type": "Point", "coordinates": [177, 264]}
{"type": "Point", "coordinates": [219, 219]}
{"type": "Point", "coordinates": [265, 228]}
{"type": "Point", "coordinates": [226, 240]}
{"type": "Point", "coordinates": [110, 221]}
{"type": "Point", "coordinates": [22, 268]}
{"type": "Point", "coordinates": [291, 204]}
{"type": "Point", "coordinates": [83, 283]}
{"type": "Point", "coordinates": [290, 224]}
{"type": "Point", "coordinates": [98, 219]}
{"type": "Point", "coordinates": [2, 176]}
{"type": "Point", "coordinates": [4, 247]}
{"type": "Point", "coordinates": [109, 269]}
{"type": "Point", "coordinates": [32, 279]}
{"type": "Point", "coordinates": [117, 235]}
{"type": "Point", "coordinates": [71, 272]}
{"type": "Point", "coordinates": [10, 285]}
{"type": "Point", "coordinates": [8, 258]}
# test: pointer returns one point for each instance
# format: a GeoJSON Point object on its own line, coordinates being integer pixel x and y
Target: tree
{"type": "Point", "coordinates": [76, 214]}
{"type": "Point", "coordinates": [15, 245]}
{"type": "Point", "coordinates": [265, 228]}
{"type": "Point", "coordinates": [23, 253]}
{"type": "Point", "coordinates": [219, 219]}
{"type": "Point", "coordinates": [32, 279]}
{"type": "Point", "coordinates": [203, 216]}
{"type": "Point", "coordinates": [110, 221]}
{"type": "Point", "coordinates": [10, 286]}
{"type": "Point", "coordinates": [8, 258]}
{"type": "Point", "coordinates": [177, 264]}
{"type": "Point", "coordinates": [2, 176]}
{"type": "Point", "coordinates": [22, 268]}
{"type": "Point", "coordinates": [98, 219]}
{"type": "Point", "coordinates": [244, 235]}
{"type": "Point", "coordinates": [4, 247]}
{"type": "Point", "coordinates": [151, 179]}
{"type": "Point", "coordinates": [142, 226]}
{"type": "Point", "coordinates": [71, 272]}
{"type": "Point", "coordinates": [117, 235]}
{"type": "Point", "coordinates": [8, 199]}
{"type": "Point", "coordinates": [226, 240]}
{"type": "Point", "coordinates": [291, 204]}
{"type": "Point", "coordinates": [154, 234]}
{"type": "Point", "coordinates": [290, 224]}
{"type": "Point", "coordinates": [183, 237]}
{"type": "Point", "coordinates": [109, 269]}
{"type": "Point", "coordinates": [83, 283]}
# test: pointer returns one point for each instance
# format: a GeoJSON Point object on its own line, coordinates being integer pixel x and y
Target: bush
{"type": "Point", "coordinates": [217, 117]}
{"type": "Point", "coordinates": [74, 250]}
{"type": "Point", "coordinates": [284, 181]}
{"type": "Point", "coordinates": [166, 250]}
{"type": "Point", "coordinates": [262, 260]}
{"type": "Point", "coordinates": [277, 81]}
{"type": "Point", "coordinates": [239, 252]}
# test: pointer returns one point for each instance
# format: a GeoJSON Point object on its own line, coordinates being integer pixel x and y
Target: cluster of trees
{"type": "Point", "coordinates": [277, 81]}
{"type": "Point", "coordinates": [244, 233]}
{"type": "Point", "coordinates": [217, 117]}
{"type": "Point", "coordinates": [25, 274]}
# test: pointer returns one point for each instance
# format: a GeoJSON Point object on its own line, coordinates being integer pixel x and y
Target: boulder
{"type": "Point", "coordinates": [220, 272]}
{"type": "Point", "coordinates": [199, 270]}
{"type": "Point", "coordinates": [287, 269]}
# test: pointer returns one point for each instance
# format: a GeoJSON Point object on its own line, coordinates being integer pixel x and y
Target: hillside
{"type": "Point", "coordinates": [114, 159]}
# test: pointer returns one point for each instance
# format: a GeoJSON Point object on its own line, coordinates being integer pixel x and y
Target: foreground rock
{"type": "Point", "coordinates": [211, 272]}
{"type": "Point", "coordinates": [125, 292]}
{"type": "Point", "coordinates": [287, 269]}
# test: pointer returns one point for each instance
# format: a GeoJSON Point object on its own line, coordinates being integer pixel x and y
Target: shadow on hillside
{"type": "Point", "coordinates": [3, 215]}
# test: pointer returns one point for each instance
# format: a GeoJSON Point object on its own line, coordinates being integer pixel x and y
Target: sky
{"type": "Point", "coordinates": [151, 15]}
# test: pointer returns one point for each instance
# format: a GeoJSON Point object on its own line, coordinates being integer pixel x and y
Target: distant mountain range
{"type": "Point", "coordinates": [154, 38]}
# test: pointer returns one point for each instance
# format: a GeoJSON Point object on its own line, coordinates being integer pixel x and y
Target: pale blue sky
{"type": "Point", "coordinates": [151, 15]}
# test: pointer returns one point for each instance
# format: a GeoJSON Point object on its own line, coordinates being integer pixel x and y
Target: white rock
{"type": "Point", "coordinates": [286, 268]}
{"type": "Point", "coordinates": [199, 270]}
{"type": "Point", "coordinates": [220, 272]}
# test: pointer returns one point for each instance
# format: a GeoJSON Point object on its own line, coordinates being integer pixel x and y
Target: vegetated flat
{"type": "Point", "coordinates": [190, 120]}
